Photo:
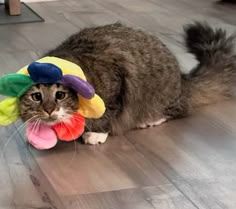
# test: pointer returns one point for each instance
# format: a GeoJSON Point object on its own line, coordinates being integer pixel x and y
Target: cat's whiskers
{"type": "Point", "coordinates": [18, 129]}
{"type": "Point", "coordinates": [34, 125]}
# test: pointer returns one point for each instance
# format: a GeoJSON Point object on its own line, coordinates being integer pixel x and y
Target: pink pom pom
{"type": "Point", "coordinates": [41, 136]}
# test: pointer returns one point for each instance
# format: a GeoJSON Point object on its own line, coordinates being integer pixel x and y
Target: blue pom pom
{"type": "Point", "coordinates": [44, 72]}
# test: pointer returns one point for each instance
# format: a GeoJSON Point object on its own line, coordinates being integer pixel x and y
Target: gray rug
{"type": "Point", "coordinates": [27, 16]}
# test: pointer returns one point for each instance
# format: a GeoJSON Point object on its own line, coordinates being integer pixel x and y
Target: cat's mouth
{"type": "Point", "coordinates": [54, 119]}
{"type": "Point", "coordinates": [51, 120]}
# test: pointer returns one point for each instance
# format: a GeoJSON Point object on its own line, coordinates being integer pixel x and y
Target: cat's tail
{"type": "Point", "coordinates": [214, 79]}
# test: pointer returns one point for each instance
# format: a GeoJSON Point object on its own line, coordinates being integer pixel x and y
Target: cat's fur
{"type": "Point", "coordinates": [49, 108]}
{"type": "Point", "coordinates": [140, 80]}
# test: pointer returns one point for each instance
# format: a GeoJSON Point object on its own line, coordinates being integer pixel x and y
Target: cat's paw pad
{"type": "Point", "coordinates": [94, 138]}
{"type": "Point", "coordinates": [151, 124]}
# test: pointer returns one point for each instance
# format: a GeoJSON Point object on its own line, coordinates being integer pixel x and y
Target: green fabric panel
{"type": "Point", "coordinates": [15, 85]}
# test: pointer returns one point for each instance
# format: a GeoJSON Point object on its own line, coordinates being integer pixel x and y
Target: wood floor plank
{"type": "Point", "coordinates": [18, 190]}
{"type": "Point", "coordinates": [13, 41]}
{"type": "Point", "coordinates": [91, 18]}
{"type": "Point", "coordinates": [28, 187]}
{"type": "Point", "coordinates": [17, 59]}
{"type": "Point", "coordinates": [160, 197]}
{"type": "Point", "coordinates": [203, 146]}
{"type": "Point", "coordinates": [196, 154]}
{"type": "Point", "coordinates": [48, 35]}
{"type": "Point", "coordinates": [210, 194]}
{"type": "Point", "coordinates": [114, 166]}
{"type": "Point", "coordinates": [6, 186]}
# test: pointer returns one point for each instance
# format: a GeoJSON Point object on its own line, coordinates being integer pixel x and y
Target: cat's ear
{"type": "Point", "coordinates": [91, 108]}
{"type": "Point", "coordinates": [82, 87]}
{"type": "Point", "coordinates": [15, 85]}
{"type": "Point", "coordinates": [9, 111]}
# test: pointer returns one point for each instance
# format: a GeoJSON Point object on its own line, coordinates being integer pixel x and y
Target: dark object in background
{"type": "Point", "coordinates": [228, 1]}
{"type": "Point", "coordinates": [13, 7]}
{"type": "Point", "coordinates": [27, 16]}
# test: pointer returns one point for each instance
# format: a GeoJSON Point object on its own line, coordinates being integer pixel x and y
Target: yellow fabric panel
{"type": "Point", "coordinates": [67, 67]}
{"type": "Point", "coordinates": [91, 108]}
{"type": "Point", "coordinates": [9, 111]}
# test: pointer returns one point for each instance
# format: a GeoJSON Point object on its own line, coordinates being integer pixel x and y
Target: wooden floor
{"type": "Point", "coordinates": [184, 164]}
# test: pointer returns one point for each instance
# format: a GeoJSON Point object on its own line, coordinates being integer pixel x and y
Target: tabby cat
{"type": "Point", "coordinates": [138, 78]}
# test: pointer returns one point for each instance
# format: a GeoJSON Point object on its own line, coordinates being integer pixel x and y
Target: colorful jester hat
{"type": "Point", "coordinates": [50, 70]}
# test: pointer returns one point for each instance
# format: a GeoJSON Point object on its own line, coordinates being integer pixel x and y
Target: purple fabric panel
{"type": "Point", "coordinates": [82, 87]}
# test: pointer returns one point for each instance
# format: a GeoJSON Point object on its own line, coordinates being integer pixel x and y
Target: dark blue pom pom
{"type": "Point", "coordinates": [44, 72]}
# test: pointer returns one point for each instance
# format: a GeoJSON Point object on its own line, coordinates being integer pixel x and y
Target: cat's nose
{"type": "Point", "coordinates": [49, 110]}
{"type": "Point", "coordinates": [49, 107]}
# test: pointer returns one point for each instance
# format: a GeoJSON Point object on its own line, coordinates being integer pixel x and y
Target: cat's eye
{"type": "Point", "coordinates": [36, 96]}
{"type": "Point", "coordinates": [60, 95]}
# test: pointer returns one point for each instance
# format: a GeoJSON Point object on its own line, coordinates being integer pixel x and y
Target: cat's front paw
{"type": "Point", "coordinates": [94, 138]}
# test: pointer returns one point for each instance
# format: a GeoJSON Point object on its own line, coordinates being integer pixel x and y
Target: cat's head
{"type": "Point", "coordinates": [48, 103]}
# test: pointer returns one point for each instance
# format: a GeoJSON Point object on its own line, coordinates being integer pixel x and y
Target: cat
{"type": "Point", "coordinates": [138, 78]}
